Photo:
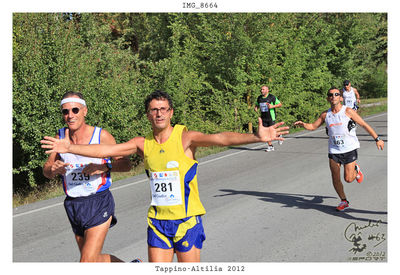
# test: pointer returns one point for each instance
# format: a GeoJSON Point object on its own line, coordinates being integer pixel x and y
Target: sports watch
{"type": "Point", "coordinates": [377, 139]}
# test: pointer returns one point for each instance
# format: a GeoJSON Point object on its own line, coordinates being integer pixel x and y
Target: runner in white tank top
{"type": "Point", "coordinates": [351, 97]}
{"type": "Point", "coordinates": [341, 138]}
{"type": "Point", "coordinates": [76, 183]}
{"type": "Point", "coordinates": [89, 203]}
{"type": "Point", "coordinates": [343, 142]}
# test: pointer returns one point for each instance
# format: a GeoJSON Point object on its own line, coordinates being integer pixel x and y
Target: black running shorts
{"type": "Point", "coordinates": [267, 122]}
{"type": "Point", "coordinates": [344, 158]}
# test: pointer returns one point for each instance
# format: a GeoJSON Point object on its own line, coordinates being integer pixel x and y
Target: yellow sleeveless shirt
{"type": "Point", "coordinates": [173, 178]}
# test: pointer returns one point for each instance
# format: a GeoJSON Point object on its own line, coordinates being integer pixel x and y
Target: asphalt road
{"type": "Point", "coordinates": [261, 207]}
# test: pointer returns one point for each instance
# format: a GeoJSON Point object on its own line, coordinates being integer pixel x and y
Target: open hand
{"type": "Point", "coordinates": [56, 145]}
{"type": "Point", "coordinates": [299, 123]}
{"type": "Point", "coordinates": [273, 132]}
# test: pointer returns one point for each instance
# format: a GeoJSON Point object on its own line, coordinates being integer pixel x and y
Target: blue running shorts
{"type": "Point", "coordinates": [178, 234]}
{"type": "Point", "coordinates": [86, 212]}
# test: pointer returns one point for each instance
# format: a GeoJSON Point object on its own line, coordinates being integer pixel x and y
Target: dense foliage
{"type": "Point", "coordinates": [213, 65]}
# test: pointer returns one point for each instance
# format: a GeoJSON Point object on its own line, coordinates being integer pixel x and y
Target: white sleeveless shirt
{"type": "Point", "coordinates": [76, 183]}
{"type": "Point", "coordinates": [341, 140]}
{"type": "Point", "coordinates": [349, 98]}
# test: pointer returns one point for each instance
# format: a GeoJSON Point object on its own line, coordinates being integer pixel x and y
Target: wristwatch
{"type": "Point", "coordinates": [377, 139]}
{"type": "Point", "coordinates": [109, 166]}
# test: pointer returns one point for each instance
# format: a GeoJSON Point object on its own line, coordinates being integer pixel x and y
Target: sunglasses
{"type": "Point", "coordinates": [335, 94]}
{"type": "Point", "coordinates": [75, 110]}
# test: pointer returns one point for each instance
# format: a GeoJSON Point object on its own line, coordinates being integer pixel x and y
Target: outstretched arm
{"type": "Point", "coordinates": [91, 150]}
{"type": "Point", "coordinates": [119, 164]}
{"type": "Point", "coordinates": [358, 119]}
{"type": "Point", "coordinates": [264, 134]}
{"type": "Point", "coordinates": [312, 126]}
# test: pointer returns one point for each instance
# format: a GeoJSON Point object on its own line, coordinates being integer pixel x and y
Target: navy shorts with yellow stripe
{"type": "Point", "coordinates": [178, 234]}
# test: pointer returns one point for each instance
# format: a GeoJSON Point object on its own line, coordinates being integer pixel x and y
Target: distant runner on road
{"type": "Point", "coordinates": [267, 103]}
{"type": "Point", "coordinates": [351, 97]}
{"type": "Point", "coordinates": [343, 142]}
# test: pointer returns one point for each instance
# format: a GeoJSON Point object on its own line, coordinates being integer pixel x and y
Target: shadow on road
{"type": "Point", "coordinates": [301, 201]}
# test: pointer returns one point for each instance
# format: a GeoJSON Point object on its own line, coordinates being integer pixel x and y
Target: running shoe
{"type": "Point", "coordinates": [360, 175]}
{"type": "Point", "coordinates": [280, 142]}
{"type": "Point", "coordinates": [270, 148]}
{"type": "Point", "coordinates": [137, 260]}
{"type": "Point", "coordinates": [342, 206]}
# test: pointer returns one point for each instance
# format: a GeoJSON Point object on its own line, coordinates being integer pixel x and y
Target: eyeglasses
{"type": "Point", "coordinates": [75, 110]}
{"type": "Point", "coordinates": [335, 94]}
{"type": "Point", "coordinates": [162, 110]}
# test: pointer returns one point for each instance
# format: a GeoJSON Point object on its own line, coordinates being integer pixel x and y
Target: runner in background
{"type": "Point", "coordinates": [351, 97]}
{"type": "Point", "coordinates": [267, 103]}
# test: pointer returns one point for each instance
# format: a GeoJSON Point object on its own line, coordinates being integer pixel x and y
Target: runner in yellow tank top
{"type": "Point", "coordinates": [178, 196]}
{"type": "Point", "coordinates": [174, 217]}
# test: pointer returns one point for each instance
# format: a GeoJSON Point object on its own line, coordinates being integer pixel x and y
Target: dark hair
{"type": "Point", "coordinates": [159, 95]}
{"type": "Point", "coordinates": [72, 93]}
